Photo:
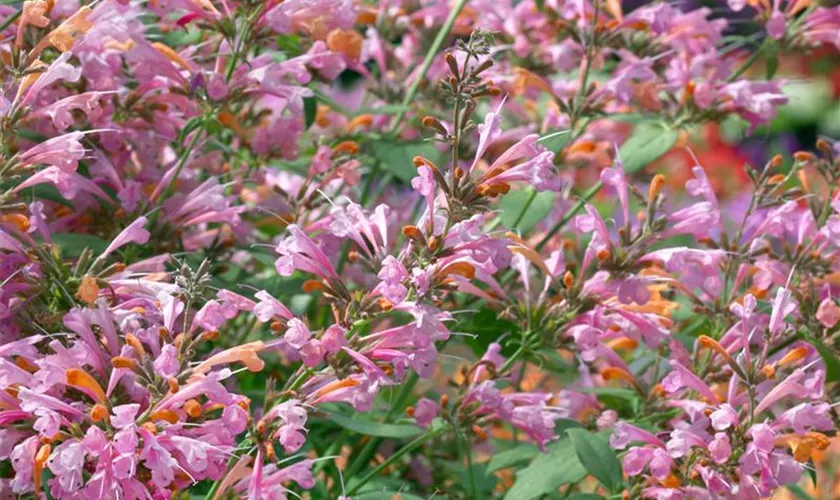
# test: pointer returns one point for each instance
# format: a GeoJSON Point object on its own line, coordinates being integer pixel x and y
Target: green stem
{"type": "Point", "coordinates": [524, 209]}
{"type": "Point", "coordinates": [8, 22]}
{"type": "Point", "coordinates": [470, 471]}
{"type": "Point", "coordinates": [411, 446]}
{"type": "Point", "coordinates": [364, 454]}
{"type": "Point", "coordinates": [427, 62]}
{"type": "Point", "coordinates": [167, 191]}
{"type": "Point", "coordinates": [568, 215]}
{"type": "Point", "coordinates": [749, 62]}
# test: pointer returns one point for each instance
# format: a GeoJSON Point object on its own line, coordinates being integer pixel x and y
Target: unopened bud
{"type": "Point", "coordinates": [776, 179]}
{"type": "Point", "coordinates": [823, 146]}
{"type": "Point", "coordinates": [568, 279]}
{"type": "Point", "coordinates": [385, 304]}
{"type": "Point", "coordinates": [20, 221]}
{"type": "Point", "coordinates": [409, 410]}
{"type": "Point", "coordinates": [776, 161]}
{"type": "Point", "coordinates": [444, 400]}
{"type": "Point", "coordinates": [193, 408]}
{"type": "Point", "coordinates": [433, 123]}
{"type": "Point", "coordinates": [353, 256]}
{"type": "Point", "coordinates": [485, 65]}
{"type": "Point", "coordinates": [480, 433]}
{"type": "Point", "coordinates": [459, 173]}
{"type": "Point", "coordinates": [210, 335]}
{"type": "Point", "coordinates": [412, 232]}
{"type": "Point", "coordinates": [604, 254]}
{"type": "Point", "coordinates": [310, 286]}
{"type": "Point", "coordinates": [655, 188]}
{"type": "Point", "coordinates": [347, 147]}
{"type": "Point", "coordinates": [452, 63]}
{"type": "Point", "coordinates": [434, 242]}
{"type": "Point", "coordinates": [123, 362]}
{"type": "Point", "coordinates": [801, 157]}
{"type": "Point", "coordinates": [98, 413]}
{"type": "Point", "coordinates": [173, 385]}
{"type": "Point", "coordinates": [135, 344]}
{"type": "Point", "coordinates": [276, 326]}
{"type": "Point", "coordinates": [768, 372]}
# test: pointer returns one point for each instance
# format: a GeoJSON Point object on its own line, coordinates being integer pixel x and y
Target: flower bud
{"type": "Point", "coordinates": [347, 147]}
{"type": "Point", "coordinates": [98, 413]}
{"type": "Point", "coordinates": [193, 408]}
{"type": "Point", "coordinates": [433, 123]}
{"type": "Point", "coordinates": [655, 188]}
{"type": "Point", "coordinates": [568, 279]}
{"type": "Point", "coordinates": [452, 63]}
{"type": "Point", "coordinates": [123, 362]}
{"type": "Point", "coordinates": [776, 179]}
{"type": "Point", "coordinates": [310, 286]}
{"type": "Point", "coordinates": [412, 232]}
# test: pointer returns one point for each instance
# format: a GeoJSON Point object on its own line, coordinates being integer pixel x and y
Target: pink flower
{"type": "Point", "coordinates": [134, 233]}
{"type": "Point", "coordinates": [681, 377]}
{"type": "Point", "coordinates": [828, 313]}
{"type": "Point", "coordinates": [425, 411]}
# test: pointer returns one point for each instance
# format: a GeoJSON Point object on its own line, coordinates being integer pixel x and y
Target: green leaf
{"type": "Point", "coordinates": [310, 109]}
{"type": "Point", "coordinates": [514, 203]}
{"type": "Point", "coordinates": [371, 428]}
{"type": "Point", "coordinates": [484, 480]}
{"type": "Point", "coordinates": [561, 425]}
{"type": "Point", "coordinates": [487, 328]}
{"type": "Point", "coordinates": [514, 456]}
{"type": "Point", "coordinates": [48, 192]}
{"type": "Point", "coordinates": [550, 470]}
{"type": "Point", "coordinates": [386, 495]}
{"type": "Point", "coordinates": [832, 362]}
{"type": "Point", "coordinates": [46, 475]}
{"type": "Point", "coordinates": [556, 141]}
{"type": "Point", "coordinates": [614, 397]}
{"type": "Point", "coordinates": [398, 157]}
{"type": "Point", "coordinates": [388, 109]}
{"type": "Point", "coordinates": [799, 492]}
{"type": "Point", "coordinates": [811, 469]}
{"type": "Point", "coordinates": [72, 244]}
{"type": "Point", "coordinates": [31, 135]}
{"type": "Point", "coordinates": [598, 457]}
{"type": "Point", "coordinates": [646, 145]}
{"type": "Point", "coordinates": [177, 38]}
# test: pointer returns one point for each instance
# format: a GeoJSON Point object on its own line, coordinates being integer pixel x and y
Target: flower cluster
{"type": "Point", "coordinates": [248, 248]}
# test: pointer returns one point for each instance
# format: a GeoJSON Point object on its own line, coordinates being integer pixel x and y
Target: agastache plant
{"type": "Point", "coordinates": [355, 249]}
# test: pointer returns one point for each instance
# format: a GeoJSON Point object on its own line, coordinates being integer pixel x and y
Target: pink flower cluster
{"type": "Point", "coordinates": [225, 224]}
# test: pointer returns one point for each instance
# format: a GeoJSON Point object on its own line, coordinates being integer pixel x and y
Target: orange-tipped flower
{"type": "Point", "coordinates": [615, 373]}
{"type": "Point", "coordinates": [793, 356]}
{"type": "Point", "coordinates": [347, 147]}
{"type": "Point", "coordinates": [41, 458]}
{"type": "Point", "coordinates": [84, 382]}
{"type": "Point", "coordinates": [98, 413]}
{"type": "Point", "coordinates": [464, 269]}
{"type": "Point", "coordinates": [123, 362]}
{"type": "Point", "coordinates": [334, 386]}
